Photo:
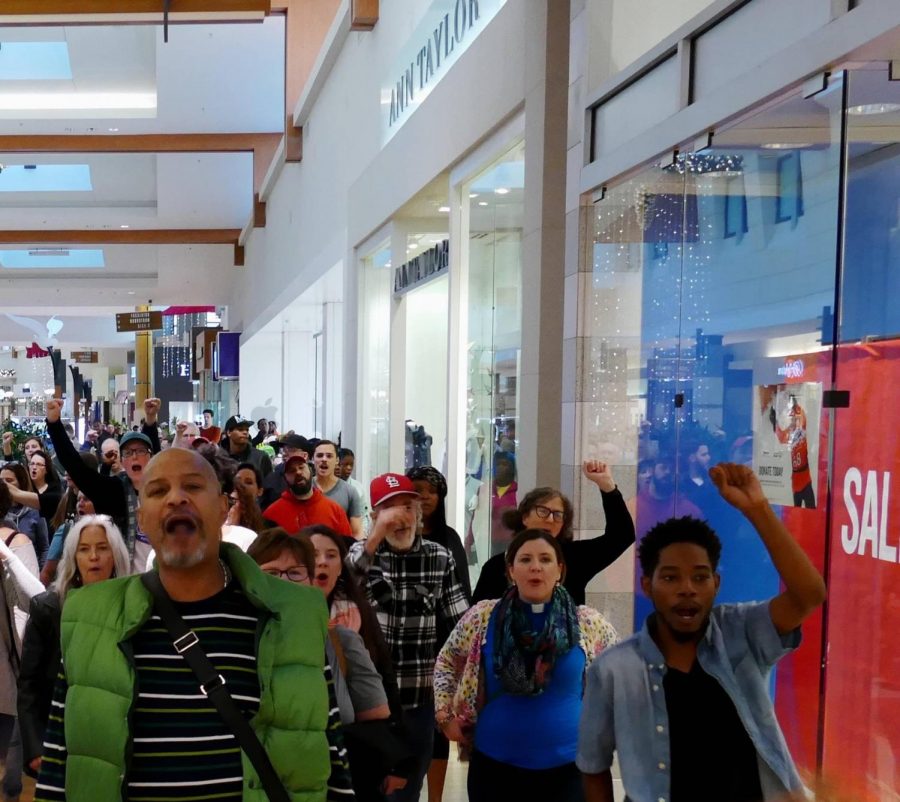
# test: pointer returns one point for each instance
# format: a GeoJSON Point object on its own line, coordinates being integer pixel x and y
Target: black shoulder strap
{"type": "Point", "coordinates": [212, 685]}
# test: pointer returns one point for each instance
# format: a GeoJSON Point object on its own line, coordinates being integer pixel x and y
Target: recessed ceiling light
{"type": "Point", "coordinates": [444, 209]}
{"type": "Point", "coordinates": [482, 203]}
{"type": "Point", "coordinates": [873, 108]}
{"type": "Point", "coordinates": [113, 130]}
{"type": "Point", "coordinates": [473, 194]}
{"type": "Point", "coordinates": [124, 225]}
{"type": "Point", "coordinates": [131, 292]}
{"type": "Point", "coordinates": [501, 191]}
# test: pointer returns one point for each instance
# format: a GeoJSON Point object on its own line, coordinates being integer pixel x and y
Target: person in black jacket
{"type": "Point", "coordinates": [236, 444]}
{"type": "Point", "coordinates": [115, 496]}
{"type": "Point", "coordinates": [431, 486]}
{"type": "Point", "coordinates": [548, 509]}
{"type": "Point", "coordinates": [275, 484]}
{"type": "Point", "coordinates": [94, 551]}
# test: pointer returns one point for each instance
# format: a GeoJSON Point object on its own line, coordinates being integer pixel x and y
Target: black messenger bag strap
{"type": "Point", "coordinates": [212, 685]}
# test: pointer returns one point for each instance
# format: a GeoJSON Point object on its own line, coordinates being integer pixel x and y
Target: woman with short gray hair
{"type": "Point", "coordinates": [94, 550]}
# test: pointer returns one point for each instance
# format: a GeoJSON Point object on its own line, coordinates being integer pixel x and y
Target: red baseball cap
{"type": "Point", "coordinates": [389, 485]}
{"type": "Point", "coordinates": [295, 458]}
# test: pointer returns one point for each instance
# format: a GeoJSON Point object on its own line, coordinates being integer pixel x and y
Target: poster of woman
{"type": "Point", "coordinates": [786, 441]}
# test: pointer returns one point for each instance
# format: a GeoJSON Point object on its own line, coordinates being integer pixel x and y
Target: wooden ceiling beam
{"type": "Point", "coordinates": [363, 15]}
{"type": "Point", "coordinates": [262, 146]}
{"type": "Point", "coordinates": [137, 143]}
{"type": "Point", "coordinates": [49, 12]}
{"type": "Point", "coordinates": [149, 236]}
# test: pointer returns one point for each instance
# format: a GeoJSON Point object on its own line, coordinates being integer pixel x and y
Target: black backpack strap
{"type": "Point", "coordinates": [212, 685]}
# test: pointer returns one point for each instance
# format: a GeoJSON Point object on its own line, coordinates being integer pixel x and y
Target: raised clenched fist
{"type": "Point", "coordinates": [151, 409]}
{"type": "Point", "coordinates": [54, 409]}
{"type": "Point", "coordinates": [599, 473]}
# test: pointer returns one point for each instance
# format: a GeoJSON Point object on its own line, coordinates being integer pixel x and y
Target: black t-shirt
{"type": "Point", "coordinates": [712, 756]}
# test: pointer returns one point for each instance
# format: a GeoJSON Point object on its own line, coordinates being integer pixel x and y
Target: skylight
{"type": "Point", "coordinates": [52, 259]}
{"type": "Point", "coordinates": [35, 61]}
{"type": "Point", "coordinates": [46, 178]}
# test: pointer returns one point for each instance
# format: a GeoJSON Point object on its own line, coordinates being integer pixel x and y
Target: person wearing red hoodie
{"type": "Point", "coordinates": [303, 504]}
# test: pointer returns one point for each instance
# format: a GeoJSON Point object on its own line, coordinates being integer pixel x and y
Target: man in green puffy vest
{"type": "Point", "coordinates": [130, 720]}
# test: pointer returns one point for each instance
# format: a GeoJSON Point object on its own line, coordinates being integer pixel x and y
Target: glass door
{"type": "Point", "coordinates": [495, 201]}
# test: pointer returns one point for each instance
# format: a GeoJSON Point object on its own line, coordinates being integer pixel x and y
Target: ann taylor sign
{"type": "Point", "coordinates": [424, 267]}
{"type": "Point", "coordinates": [446, 30]}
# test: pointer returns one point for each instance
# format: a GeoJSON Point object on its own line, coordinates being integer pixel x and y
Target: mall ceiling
{"type": "Point", "coordinates": [131, 164]}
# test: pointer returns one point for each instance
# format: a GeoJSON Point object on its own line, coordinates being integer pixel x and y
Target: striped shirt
{"type": "Point", "coordinates": [180, 748]}
{"type": "Point", "coordinates": [412, 591]}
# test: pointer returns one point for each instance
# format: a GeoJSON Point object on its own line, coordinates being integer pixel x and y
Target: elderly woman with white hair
{"type": "Point", "coordinates": [186, 433]}
{"type": "Point", "coordinates": [94, 550]}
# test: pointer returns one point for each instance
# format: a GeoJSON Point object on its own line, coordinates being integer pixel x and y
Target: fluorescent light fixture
{"type": "Point", "coordinates": [46, 178]}
{"type": "Point", "coordinates": [444, 209]}
{"type": "Point", "coordinates": [52, 259]}
{"type": "Point", "coordinates": [35, 61]}
{"type": "Point", "coordinates": [786, 145]}
{"type": "Point", "coordinates": [77, 101]}
{"type": "Point", "coordinates": [482, 203]}
{"type": "Point", "coordinates": [873, 108]}
{"type": "Point", "coordinates": [501, 191]}
{"type": "Point", "coordinates": [473, 194]}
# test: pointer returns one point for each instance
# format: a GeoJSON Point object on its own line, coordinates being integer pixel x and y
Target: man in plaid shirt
{"type": "Point", "coordinates": [412, 584]}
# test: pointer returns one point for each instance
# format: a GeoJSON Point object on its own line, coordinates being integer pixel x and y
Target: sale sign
{"type": "Point", "coordinates": [862, 690]}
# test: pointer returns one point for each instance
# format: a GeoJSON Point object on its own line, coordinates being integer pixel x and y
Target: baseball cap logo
{"type": "Point", "coordinates": [391, 481]}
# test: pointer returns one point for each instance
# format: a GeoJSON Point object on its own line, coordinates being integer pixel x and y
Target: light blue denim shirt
{"type": "Point", "coordinates": [624, 707]}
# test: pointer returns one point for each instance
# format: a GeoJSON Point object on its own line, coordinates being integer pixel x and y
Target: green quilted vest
{"type": "Point", "coordinates": [97, 623]}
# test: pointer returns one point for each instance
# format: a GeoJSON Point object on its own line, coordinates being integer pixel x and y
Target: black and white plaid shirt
{"type": "Point", "coordinates": [412, 591]}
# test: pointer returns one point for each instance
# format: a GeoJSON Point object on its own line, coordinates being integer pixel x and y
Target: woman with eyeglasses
{"type": "Point", "coordinates": [26, 519]}
{"type": "Point", "coordinates": [547, 509]}
{"type": "Point", "coordinates": [358, 686]}
{"type": "Point", "coordinates": [93, 551]}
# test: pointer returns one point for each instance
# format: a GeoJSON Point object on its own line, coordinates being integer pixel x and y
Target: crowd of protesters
{"type": "Point", "coordinates": [219, 615]}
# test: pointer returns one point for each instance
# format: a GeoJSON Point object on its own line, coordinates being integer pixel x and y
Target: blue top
{"type": "Point", "coordinates": [625, 704]}
{"type": "Point", "coordinates": [531, 732]}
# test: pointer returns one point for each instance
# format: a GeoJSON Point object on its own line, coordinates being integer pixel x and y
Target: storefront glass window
{"type": "Point", "coordinates": [494, 242]}
{"type": "Point", "coordinates": [708, 338]}
{"type": "Point", "coordinates": [375, 352]}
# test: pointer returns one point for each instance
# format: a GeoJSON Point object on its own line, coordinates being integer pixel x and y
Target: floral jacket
{"type": "Point", "coordinates": [458, 674]}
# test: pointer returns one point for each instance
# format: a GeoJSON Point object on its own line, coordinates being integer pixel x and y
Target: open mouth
{"type": "Point", "coordinates": [687, 613]}
{"type": "Point", "coordinates": [180, 525]}
{"type": "Point", "coordinates": [321, 579]}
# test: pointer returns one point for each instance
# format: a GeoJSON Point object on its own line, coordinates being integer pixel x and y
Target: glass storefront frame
{"type": "Point", "coordinates": [816, 341]}
{"type": "Point", "coordinates": [393, 238]}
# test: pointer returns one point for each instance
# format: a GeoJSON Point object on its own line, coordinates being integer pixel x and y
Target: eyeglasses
{"type": "Point", "coordinates": [38, 464]}
{"type": "Point", "coordinates": [135, 452]}
{"type": "Point", "coordinates": [545, 512]}
{"type": "Point", "coordinates": [292, 574]}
